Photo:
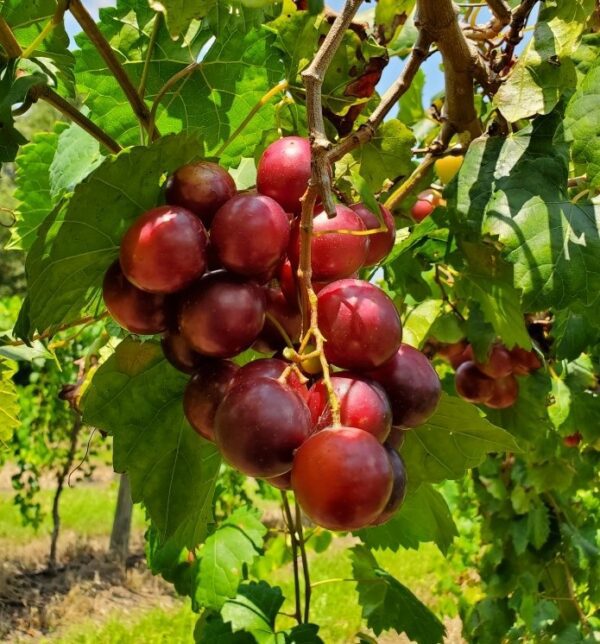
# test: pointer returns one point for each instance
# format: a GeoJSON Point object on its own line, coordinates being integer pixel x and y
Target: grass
{"type": "Point", "coordinates": [87, 510]}
{"type": "Point", "coordinates": [155, 627]}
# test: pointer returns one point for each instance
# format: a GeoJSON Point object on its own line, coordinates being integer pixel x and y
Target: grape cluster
{"type": "Point", "coordinates": [493, 382]}
{"type": "Point", "coordinates": [214, 272]}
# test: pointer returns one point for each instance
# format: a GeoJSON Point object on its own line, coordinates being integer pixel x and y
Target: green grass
{"type": "Point", "coordinates": [87, 510]}
{"type": "Point", "coordinates": [155, 627]}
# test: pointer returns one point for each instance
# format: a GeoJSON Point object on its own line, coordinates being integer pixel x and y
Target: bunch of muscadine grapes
{"type": "Point", "coordinates": [215, 272]}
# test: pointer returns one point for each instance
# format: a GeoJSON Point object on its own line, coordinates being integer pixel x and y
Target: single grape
{"type": "Point", "coordinates": [421, 210]}
{"type": "Point", "coordinates": [505, 392]}
{"type": "Point", "coordinates": [259, 425]}
{"type": "Point", "coordinates": [180, 354]}
{"type": "Point", "coordinates": [342, 478]}
{"type": "Point", "coordinates": [398, 487]}
{"type": "Point", "coordinates": [498, 363]}
{"type": "Point", "coordinates": [281, 482]}
{"type": "Point", "coordinates": [363, 405]}
{"type": "Point", "coordinates": [380, 244]}
{"type": "Point", "coordinates": [412, 386]}
{"type": "Point", "coordinates": [222, 314]}
{"type": "Point", "coordinates": [523, 361]}
{"type": "Point", "coordinates": [471, 384]}
{"type": "Point", "coordinates": [284, 170]}
{"type": "Point", "coordinates": [201, 187]}
{"type": "Point", "coordinates": [250, 234]}
{"type": "Point", "coordinates": [135, 310]}
{"type": "Point", "coordinates": [333, 255]}
{"type": "Point", "coordinates": [270, 368]}
{"type": "Point", "coordinates": [360, 323]}
{"type": "Point", "coordinates": [279, 312]}
{"type": "Point", "coordinates": [204, 393]}
{"type": "Point", "coordinates": [164, 250]}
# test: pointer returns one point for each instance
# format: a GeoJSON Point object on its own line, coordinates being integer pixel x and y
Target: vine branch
{"type": "Point", "coordinates": [86, 22]}
{"type": "Point", "coordinates": [89, 319]}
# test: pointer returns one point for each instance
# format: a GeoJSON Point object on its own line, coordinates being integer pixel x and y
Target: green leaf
{"type": "Point", "coordinates": [544, 70]}
{"type": "Point", "coordinates": [390, 16]}
{"type": "Point", "coordinates": [9, 404]}
{"type": "Point", "coordinates": [77, 155]}
{"type": "Point", "coordinates": [423, 517]}
{"type": "Point", "coordinates": [180, 13]}
{"type": "Point", "coordinates": [410, 106]}
{"type": "Point", "coordinates": [539, 525]}
{"type": "Point", "coordinates": [33, 189]}
{"type": "Point", "coordinates": [582, 122]}
{"type": "Point", "coordinates": [13, 93]}
{"type": "Point", "coordinates": [27, 20]}
{"type": "Point", "coordinates": [211, 628]}
{"type": "Point", "coordinates": [573, 332]}
{"type": "Point", "coordinates": [387, 604]}
{"type": "Point", "coordinates": [387, 156]}
{"type": "Point", "coordinates": [239, 68]}
{"type": "Point", "coordinates": [560, 405]}
{"type": "Point", "coordinates": [456, 438]}
{"type": "Point", "coordinates": [303, 634]}
{"type": "Point", "coordinates": [169, 560]}
{"type": "Point", "coordinates": [418, 322]}
{"type": "Point", "coordinates": [515, 190]}
{"type": "Point", "coordinates": [81, 238]}
{"type": "Point", "coordinates": [254, 610]}
{"type": "Point", "coordinates": [136, 396]}
{"type": "Point", "coordinates": [234, 545]}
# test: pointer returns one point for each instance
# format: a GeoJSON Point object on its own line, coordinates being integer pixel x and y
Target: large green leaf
{"type": "Point", "coordinates": [582, 121]}
{"type": "Point", "coordinates": [456, 438]}
{"type": "Point", "coordinates": [240, 66]}
{"type": "Point", "coordinates": [33, 190]}
{"type": "Point", "coordinates": [80, 239]}
{"type": "Point", "coordinates": [387, 604]}
{"type": "Point", "coordinates": [235, 544]}
{"type": "Point", "coordinates": [423, 517]}
{"type": "Point", "coordinates": [180, 13]}
{"type": "Point", "coordinates": [515, 190]}
{"type": "Point", "coordinates": [27, 20]}
{"type": "Point", "coordinates": [136, 395]}
{"type": "Point", "coordinates": [544, 70]}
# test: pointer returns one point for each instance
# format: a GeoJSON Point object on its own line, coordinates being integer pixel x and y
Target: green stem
{"type": "Point", "coordinates": [292, 533]}
{"type": "Point", "coordinates": [151, 44]}
{"type": "Point", "coordinates": [305, 569]}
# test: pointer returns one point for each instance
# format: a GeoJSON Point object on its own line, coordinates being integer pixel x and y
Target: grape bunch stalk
{"type": "Point", "coordinates": [217, 272]}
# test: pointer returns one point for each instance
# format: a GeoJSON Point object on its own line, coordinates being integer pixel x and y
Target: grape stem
{"type": "Point", "coordinates": [294, 543]}
{"type": "Point", "coordinates": [89, 319]}
{"type": "Point", "coordinates": [304, 559]}
{"type": "Point", "coordinates": [56, 19]}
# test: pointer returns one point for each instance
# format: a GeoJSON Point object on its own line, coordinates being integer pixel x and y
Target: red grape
{"type": "Point", "coordinates": [342, 478]}
{"type": "Point", "coordinates": [288, 317]}
{"type": "Point", "coordinates": [270, 368]}
{"type": "Point", "coordinates": [222, 314]}
{"type": "Point", "coordinates": [363, 405]}
{"type": "Point", "coordinates": [259, 425]}
{"type": "Point", "coordinates": [204, 393]}
{"type": "Point", "coordinates": [421, 210]}
{"type": "Point", "coordinates": [333, 255]}
{"type": "Point", "coordinates": [380, 244]}
{"type": "Point", "coordinates": [505, 392]}
{"type": "Point", "coordinates": [281, 482]}
{"type": "Point", "coordinates": [250, 234]}
{"type": "Point", "coordinates": [180, 354]}
{"type": "Point", "coordinates": [498, 363]}
{"type": "Point", "coordinates": [164, 250]}
{"type": "Point", "coordinates": [284, 170]}
{"type": "Point", "coordinates": [133, 309]}
{"type": "Point", "coordinates": [287, 280]}
{"type": "Point", "coordinates": [454, 353]}
{"type": "Point", "coordinates": [398, 487]}
{"type": "Point", "coordinates": [572, 440]}
{"type": "Point", "coordinates": [395, 440]}
{"type": "Point", "coordinates": [360, 323]}
{"type": "Point", "coordinates": [412, 386]}
{"type": "Point", "coordinates": [523, 361]}
{"type": "Point", "coordinates": [201, 187]}
{"type": "Point", "coordinates": [471, 384]}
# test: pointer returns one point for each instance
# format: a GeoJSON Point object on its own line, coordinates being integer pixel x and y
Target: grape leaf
{"type": "Point", "coordinates": [583, 124]}
{"type": "Point", "coordinates": [77, 155]}
{"type": "Point", "coordinates": [456, 438]}
{"type": "Point", "coordinates": [236, 71]}
{"type": "Point", "coordinates": [80, 239]}
{"type": "Point", "coordinates": [169, 560]}
{"type": "Point", "coordinates": [180, 13]}
{"type": "Point", "coordinates": [27, 20]}
{"type": "Point", "coordinates": [387, 604]}
{"type": "Point", "coordinates": [9, 404]}
{"type": "Point", "coordinates": [211, 628]}
{"type": "Point", "coordinates": [515, 190]}
{"type": "Point", "coordinates": [12, 93]}
{"type": "Point", "coordinates": [254, 610]}
{"type": "Point", "coordinates": [235, 544]}
{"type": "Point", "coordinates": [573, 331]}
{"type": "Point", "coordinates": [418, 322]}
{"type": "Point", "coordinates": [33, 190]}
{"type": "Point", "coordinates": [423, 517]}
{"type": "Point", "coordinates": [136, 396]}
{"type": "Point", "coordinates": [390, 16]}
{"type": "Point", "coordinates": [544, 70]}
